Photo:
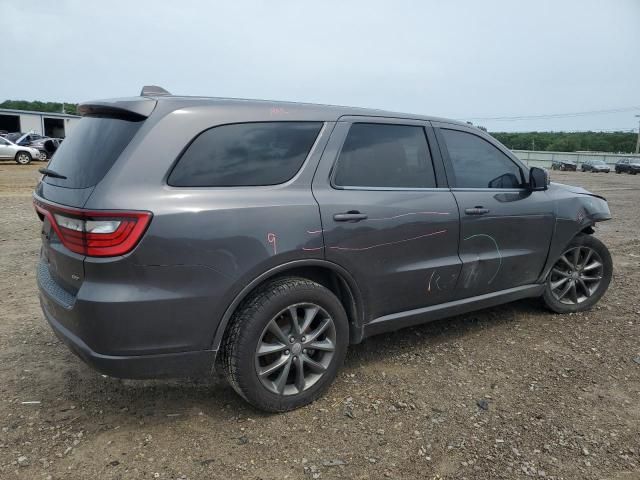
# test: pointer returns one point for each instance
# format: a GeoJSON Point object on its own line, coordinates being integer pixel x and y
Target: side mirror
{"type": "Point", "coordinates": [538, 179]}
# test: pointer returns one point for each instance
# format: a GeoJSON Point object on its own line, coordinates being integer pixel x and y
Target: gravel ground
{"type": "Point", "coordinates": [509, 392]}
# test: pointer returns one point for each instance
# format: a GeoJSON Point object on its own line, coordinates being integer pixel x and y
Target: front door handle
{"type": "Point", "coordinates": [350, 216]}
{"type": "Point", "coordinates": [477, 210]}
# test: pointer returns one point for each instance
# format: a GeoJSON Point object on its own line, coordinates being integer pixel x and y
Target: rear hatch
{"type": "Point", "coordinates": [81, 162]}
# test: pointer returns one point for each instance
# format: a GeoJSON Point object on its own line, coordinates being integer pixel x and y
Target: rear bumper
{"type": "Point", "coordinates": [147, 322]}
{"type": "Point", "coordinates": [170, 365]}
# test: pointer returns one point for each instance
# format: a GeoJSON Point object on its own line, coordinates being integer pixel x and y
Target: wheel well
{"type": "Point", "coordinates": [340, 288]}
{"type": "Point", "coordinates": [328, 278]}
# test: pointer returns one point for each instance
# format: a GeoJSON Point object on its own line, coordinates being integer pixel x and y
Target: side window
{"type": "Point", "coordinates": [245, 154]}
{"type": "Point", "coordinates": [385, 155]}
{"type": "Point", "coordinates": [478, 164]}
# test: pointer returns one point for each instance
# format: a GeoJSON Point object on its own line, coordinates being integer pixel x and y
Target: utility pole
{"type": "Point", "coordinates": [638, 141]}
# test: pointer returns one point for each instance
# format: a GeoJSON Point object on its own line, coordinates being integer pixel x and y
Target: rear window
{"type": "Point", "coordinates": [385, 155]}
{"type": "Point", "coordinates": [90, 150]}
{"type": "Point", "coordinates": [246, 154]}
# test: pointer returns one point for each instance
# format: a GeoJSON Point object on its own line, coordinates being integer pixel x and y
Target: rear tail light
{"type": "Point", "coordinates": [95, 233]}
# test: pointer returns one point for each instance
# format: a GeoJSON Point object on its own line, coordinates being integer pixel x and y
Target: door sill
{"type": "Point", "coordinates": [410, 318]}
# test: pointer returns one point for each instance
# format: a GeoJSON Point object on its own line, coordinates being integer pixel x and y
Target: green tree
{"type": "Point", "coordinates": [38, 106]}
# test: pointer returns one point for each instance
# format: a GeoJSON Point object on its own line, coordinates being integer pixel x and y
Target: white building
{"type": "Point", "coordinates": [57, 125]}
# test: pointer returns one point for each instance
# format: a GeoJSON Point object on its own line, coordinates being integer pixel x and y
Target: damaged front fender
{"type": "Point", "coordinates": [577, 210]}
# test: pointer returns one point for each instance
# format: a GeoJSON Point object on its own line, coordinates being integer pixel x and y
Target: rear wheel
{"type": "Point", "coordinates": [580, 277]}
{"type": "Point", "coordinates": [43, 156]}
{"type": "Point", "coordinates": [23, 158]}
{"type": "Point", "coordinates": [285, 344]}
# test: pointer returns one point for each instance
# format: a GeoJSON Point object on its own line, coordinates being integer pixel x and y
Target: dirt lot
{"type": "Point", "coordinates": [561, 392]}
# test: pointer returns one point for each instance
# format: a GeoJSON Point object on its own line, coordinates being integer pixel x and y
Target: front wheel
{"type": "Point", "coordinates": [23, 158]}
{"type": "Point", "coordinates": [580, 277]}
{"type": "Point", "coordinates": [285, 344]}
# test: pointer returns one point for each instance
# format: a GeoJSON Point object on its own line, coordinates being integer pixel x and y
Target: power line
{"type": "Point", "coordinates": [556, 115]}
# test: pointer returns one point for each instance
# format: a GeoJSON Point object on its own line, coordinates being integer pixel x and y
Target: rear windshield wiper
{"type": "Point", "coordinates": [51, 173]}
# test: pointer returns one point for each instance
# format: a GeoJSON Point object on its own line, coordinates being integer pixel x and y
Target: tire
{"type": "Point", "coordinates": [251, 330]}
{"type": "Point", "coordinates": [563, 275]}
{"type": "Point", "coordinates": [23, 158]}
{"type": "Point", "coordinates": [562, 168]}
{"type": "Point", "coordinates": [43, 157]}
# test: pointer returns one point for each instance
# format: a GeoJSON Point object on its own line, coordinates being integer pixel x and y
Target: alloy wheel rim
{"type": "Point", "coordinates": [22, 158]}
{"type": "Point", "coordinates": [576, 276]}
{"type": "Point", "coordinates": [295, 349]}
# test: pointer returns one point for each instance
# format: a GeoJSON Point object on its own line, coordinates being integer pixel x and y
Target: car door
{"type": "Point", "coordinates": [387, 214]}
{"type": "Point", "coordinates": [5, 149]}
{"type": "Point", "coordinates": [505, 228]}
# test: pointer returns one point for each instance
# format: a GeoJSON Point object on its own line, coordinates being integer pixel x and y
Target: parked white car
{"type": "Point", "coordinates": [11, 151]}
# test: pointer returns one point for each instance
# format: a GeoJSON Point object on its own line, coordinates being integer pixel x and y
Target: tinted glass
{"type": "Point", "coordinates": [478, 164]}
{"type": "Point", "coordinates": [245, 154]}
{"type": "Point", "coordinates": [379, 155]}
{"type": "Point", "coordinates": [90, 150]}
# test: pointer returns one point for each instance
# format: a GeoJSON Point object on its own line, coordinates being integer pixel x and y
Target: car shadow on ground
{"type": "Point", "coordinates": [172, 399]}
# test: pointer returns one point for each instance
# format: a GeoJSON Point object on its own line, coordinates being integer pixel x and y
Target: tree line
{"type": "Point", "coordinates": [38, 106]}
{"type": "Point", "coordinates": [616, 142]}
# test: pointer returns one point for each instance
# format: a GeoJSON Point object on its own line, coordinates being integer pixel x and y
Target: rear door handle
{"type": "Point", "coordinates": [350, 216]}
{"type": "Point", "coordinates": [476, 211]}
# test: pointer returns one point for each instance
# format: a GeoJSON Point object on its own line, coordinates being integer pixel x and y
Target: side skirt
{"type": "Point", "coordinates": [410, 318]}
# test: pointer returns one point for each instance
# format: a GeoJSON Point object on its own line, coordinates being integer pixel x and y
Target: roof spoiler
{"type": "Point", "coordinates": [125, 108]}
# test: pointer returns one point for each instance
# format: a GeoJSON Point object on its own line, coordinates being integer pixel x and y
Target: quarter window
{"type": "Point", "coordinates": [245, 154]}
{"type": "Point", "coordinates": [384, 155]}
{"type": "Point", "coordinates": [478, 164]}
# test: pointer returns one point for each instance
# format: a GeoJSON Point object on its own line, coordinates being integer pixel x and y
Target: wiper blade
{"type": "Point", "coordinates": [51, 173]}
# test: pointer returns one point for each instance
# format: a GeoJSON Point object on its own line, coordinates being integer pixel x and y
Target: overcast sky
{"type": "Point", "coordinates": [459, 59]}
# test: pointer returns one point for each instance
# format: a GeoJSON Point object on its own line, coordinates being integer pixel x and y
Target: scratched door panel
{"type": "Point", "coordinates": [506, 247]}
{"type": "Point", "coordinates": [404, 254]}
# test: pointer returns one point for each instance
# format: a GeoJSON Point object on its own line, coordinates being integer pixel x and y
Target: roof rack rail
{"type": "Point", "coordinates": [153, 90]}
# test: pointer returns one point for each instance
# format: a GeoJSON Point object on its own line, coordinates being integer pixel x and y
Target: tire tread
{"type": "Point", "coordinates": [235, 336]}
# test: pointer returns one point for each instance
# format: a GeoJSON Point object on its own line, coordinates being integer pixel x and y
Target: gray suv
{"type": "Point", "coordinates": [183, 234]}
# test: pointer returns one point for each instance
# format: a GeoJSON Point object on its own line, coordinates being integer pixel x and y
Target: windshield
{"type": "Point", "coordinates": [12, 137]}
{"type": "Point", "coordinates": [90, 150]}
{"type": "Point", "coordinates": [598, 162]}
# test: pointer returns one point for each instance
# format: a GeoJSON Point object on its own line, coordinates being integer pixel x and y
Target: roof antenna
{"type": "Point", "coordinates": [152, 91]}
